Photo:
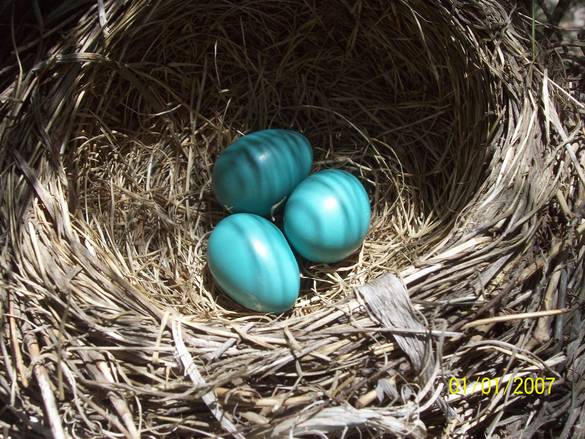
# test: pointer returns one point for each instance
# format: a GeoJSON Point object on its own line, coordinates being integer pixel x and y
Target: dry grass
{"type": "Point", "coordinates": [473, 159]}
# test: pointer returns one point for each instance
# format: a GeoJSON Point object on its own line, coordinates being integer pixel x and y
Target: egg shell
{"type": "Point", "coordinates": [258, 171]}
{"type": "Point", "coordinates": [327, 216]}
{"type": "Point", "coordinates": [253, 263]}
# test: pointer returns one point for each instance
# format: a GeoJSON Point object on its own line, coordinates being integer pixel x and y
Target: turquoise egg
{"type": "Point", "coordinates": [252, 262]}
{"type": "Point", "coordinates": [258, 171]}
{"type": "Point", "coordinates": [327, 216]}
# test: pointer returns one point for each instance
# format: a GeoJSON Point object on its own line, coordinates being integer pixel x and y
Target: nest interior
{"type": "Point", "coordinates": [471, 158]}
{"type": "Point", "coordinates": [169, 92]}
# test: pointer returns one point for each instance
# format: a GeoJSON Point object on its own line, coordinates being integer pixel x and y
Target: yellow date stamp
{"type": "Point", "coordinates": [518, 385]}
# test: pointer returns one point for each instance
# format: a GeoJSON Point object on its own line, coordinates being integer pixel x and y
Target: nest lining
{"type": "Point", "coordinates": [109, 206]}
{"type": "Point", "coordinates": [158, 110]}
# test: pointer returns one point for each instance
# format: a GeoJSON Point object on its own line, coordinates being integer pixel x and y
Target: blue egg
{"type": "Point", "coordinates": [327, 216]}
{"type": "Point", "coordinates": [258, 171]}
{"type": "Point", "coordinates": [252, 262]}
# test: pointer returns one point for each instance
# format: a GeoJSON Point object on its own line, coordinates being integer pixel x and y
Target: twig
{"type": "Point", "coordinates": [511, 317]}
{"type": "Point", "coordinates": [45, 385]}
{"type": "Point", "coordinates": [209, 398]}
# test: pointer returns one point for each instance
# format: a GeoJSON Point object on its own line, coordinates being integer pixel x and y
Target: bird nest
{"type": "Point", "coordinates": [467, 293]}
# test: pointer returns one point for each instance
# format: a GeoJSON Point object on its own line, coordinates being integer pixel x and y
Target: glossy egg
{"type": "Point", "coordinates": [327, 216]}
{"type": "Point", "coordinates": [252, 262]}
{"type": "Point", "coordinates": [258, 171]}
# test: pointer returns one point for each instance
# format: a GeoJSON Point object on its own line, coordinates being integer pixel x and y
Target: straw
{"type": "Point", "coordinates": [471, 152]}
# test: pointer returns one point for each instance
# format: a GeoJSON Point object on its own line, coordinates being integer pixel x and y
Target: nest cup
{"type": "Point", "coordinates": [174, 90]}
{"type": "Point", "coordinates": [107, 155]}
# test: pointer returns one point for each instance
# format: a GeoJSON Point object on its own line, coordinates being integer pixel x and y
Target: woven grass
{"type": "Point", "coordinates": [464, 132]}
